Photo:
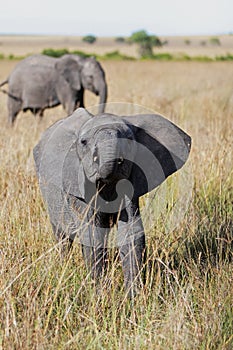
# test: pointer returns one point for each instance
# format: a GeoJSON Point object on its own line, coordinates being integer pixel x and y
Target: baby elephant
{"type": "Point", "coordinates": [92, 171]}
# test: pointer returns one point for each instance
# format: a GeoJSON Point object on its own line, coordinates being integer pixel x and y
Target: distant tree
{"type": "Point", "coordinates": [187, 41]}
{"type": "Point", "coordinates": [203, 43]}
{"type": "Point", "coordinates": [215, 41]}
{"type": "Point", "coordinates": [89, 39]}
{"type": "Point", "coordinates": [146, 42]}
{"type": "Point", "coordinates": [120, 39]}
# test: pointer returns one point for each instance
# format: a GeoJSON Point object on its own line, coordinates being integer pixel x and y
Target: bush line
{"type": "Point", "coordinates": [116, 55]}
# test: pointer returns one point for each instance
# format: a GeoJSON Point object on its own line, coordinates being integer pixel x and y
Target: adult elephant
{"type": "Point", "coordinates": [92, 172]}
{"type": "Point", "coordinates": [39, 82]}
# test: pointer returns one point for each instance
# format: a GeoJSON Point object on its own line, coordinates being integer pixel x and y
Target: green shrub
{"type": "Point", "coordinates": [11, 57]}
{"type": "Point", "coordinates": [203, 43]}
{"type": "Point", "coordinates": [187, 41]}
{"type": "Point", "coordinates": [55, 53]}
{"type": "Point", "coordinates": [82, 54]}
{"type": "Point", "coordinates": [182, 57]}
{"type": "Point", "coordinates": [202, 58]}
{"type": "Point", "coordinates": [90, 39]}
{"type": "Point", "coordinates": [120, 39]}
{"type": "Point", "coordinates": [162, 56]}
{"type": "Point", "coordinates": [215, 41]}
{"type": "Point", "coordinates": [2, 56]}
{"type": "Point", "coordinates": [228, 57]}
{"type": "Point", "coordinates": [116, 55]}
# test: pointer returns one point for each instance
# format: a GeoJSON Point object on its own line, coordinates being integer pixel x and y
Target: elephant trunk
{"type": "Point", "coordinates": [108, 160]}
{"type": "Point", "coordinates": [103, 93]}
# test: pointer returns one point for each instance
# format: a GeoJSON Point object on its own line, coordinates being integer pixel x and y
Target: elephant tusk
{"type": "Point", "coordinates": [95, 158]}
{"type": "Point", "coordinates": [120, 160]}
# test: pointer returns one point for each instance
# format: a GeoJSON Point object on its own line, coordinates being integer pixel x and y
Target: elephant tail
{"type": "Point", "coordinates": [4, 82]}
{"type": "Point", "coordinates": [7, 92]}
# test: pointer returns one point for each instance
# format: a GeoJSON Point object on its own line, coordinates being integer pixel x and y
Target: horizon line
{"type": "Point", "coordinates": [110, 36]}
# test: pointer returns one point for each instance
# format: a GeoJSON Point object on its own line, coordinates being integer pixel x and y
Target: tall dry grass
{"type": "Point", "coordinates": [47, 303]}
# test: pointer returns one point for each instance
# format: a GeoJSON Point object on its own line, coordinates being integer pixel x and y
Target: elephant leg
{"type": "Point", "coordinates": [70, 106]}
{"type": "Point", "coordinates": [81, 98]}
{"type": "Point", "coordinates": [132, 248]}
{"type": "Point", "coordinates": [64, 241]}
{"type": "Point", "coordinates": [94, 244]}
{"type": "Point", "coordinates": [96, 261]}
{"type": "Point", "coordinates": [40, 113]}
{"type": "Point", "coordinates": [14, 107]}
{"type": "Point", "coordinates": [68, 101]}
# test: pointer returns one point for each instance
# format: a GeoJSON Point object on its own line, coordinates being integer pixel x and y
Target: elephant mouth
{"type": "Point", "coordinates": [106, 181]}
{"type": "Point", "coordinates": [111, 179]}
{"type": "Point", "coordinates": [95, 177]}
{"type": "Point", "coordinates": [92, 177]}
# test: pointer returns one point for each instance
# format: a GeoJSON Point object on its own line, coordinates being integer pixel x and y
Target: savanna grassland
{"type": "Point", "coordinates": [47, 303]}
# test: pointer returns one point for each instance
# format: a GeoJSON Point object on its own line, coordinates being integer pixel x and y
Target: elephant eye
{"type": "Point", "coordinates": [89, 79]}
{"type": "Point", "coordinates": [83, 142]}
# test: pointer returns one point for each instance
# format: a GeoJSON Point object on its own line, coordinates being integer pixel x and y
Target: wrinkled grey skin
{"type": "Point", "coordinates": [39, 82]}
{"type": "Point", "coordinates": [81, 160]}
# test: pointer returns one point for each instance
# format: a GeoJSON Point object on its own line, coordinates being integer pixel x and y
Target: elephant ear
{"type": "Point", "coordinates": [68, 68]}
{"type": "Point", "coordinates": [56, 159]}
{"type": "Point", "coordinates": [162, 149]}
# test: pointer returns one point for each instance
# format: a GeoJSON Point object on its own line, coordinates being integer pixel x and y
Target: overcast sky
{"type": "Point", "coordinates": [116, 17]}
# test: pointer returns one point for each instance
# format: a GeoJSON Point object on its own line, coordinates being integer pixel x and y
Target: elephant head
{"type": "Point", "coordinates": [93, 79]}
{"type": "Point", "coordinates": [104, 148]}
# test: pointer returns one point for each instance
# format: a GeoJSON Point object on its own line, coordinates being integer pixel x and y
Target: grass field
{"type": "Point", "coordinates": [187, 300]}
